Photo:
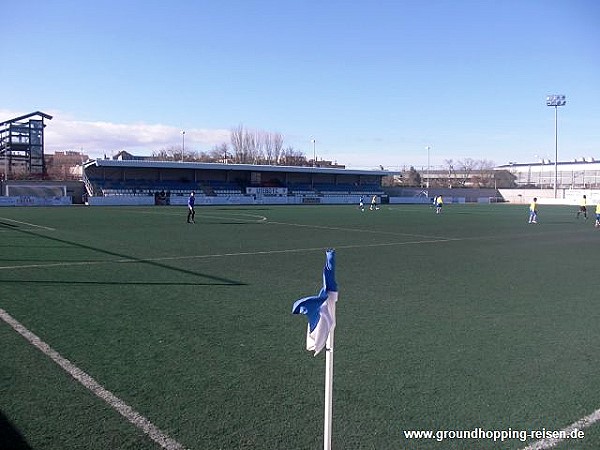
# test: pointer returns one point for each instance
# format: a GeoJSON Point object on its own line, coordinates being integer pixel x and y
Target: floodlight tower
{"type": "Point", "coordinates": [556, 101]}
{"type": "Point", "coordinates": [314, 143]}
{"type": "Point", "coordinates": [428, 148]}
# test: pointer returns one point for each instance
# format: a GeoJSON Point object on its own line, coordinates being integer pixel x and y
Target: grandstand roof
{"type": "Point", "coordinates": [587, 163]}
{"type": "Point", "coordinates": [240, 167]}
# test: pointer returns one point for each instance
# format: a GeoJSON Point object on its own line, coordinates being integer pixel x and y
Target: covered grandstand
{"type": "Point", "coordinates": [237, 183]}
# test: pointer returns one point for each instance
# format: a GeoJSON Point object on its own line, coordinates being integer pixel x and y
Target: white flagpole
{"type": "Point", "coordinates": [327, 434]}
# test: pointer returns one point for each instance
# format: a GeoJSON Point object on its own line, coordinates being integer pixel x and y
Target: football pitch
{"type": "Point", "coordinates": [127, 328]}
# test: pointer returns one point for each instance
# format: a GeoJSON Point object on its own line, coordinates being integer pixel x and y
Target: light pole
{"type": "Point", "coordinates": [556, 101]}
{"type": "Point", "coordinates": [314, 143]}
{"type": "Point", "coordinates": [428, 148]}
{"type": "Point", "coordinates": [182, 144]}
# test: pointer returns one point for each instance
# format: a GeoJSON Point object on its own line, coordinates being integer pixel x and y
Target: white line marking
{"type": "Point", "coordinates": [585, 422]}
{"type": "Point", "coordinates": [201, 214]}
{"type": "Point", "coordinates": [219, 255]}
{"type": "Point", "coordinates": [28, 224]}
{"type": "Point", "coordinates": [87, 381]}
{"type": "Point", "coordinates": [255, 217]}
{"type": "Point", "coordinates": [357, 230]}
{"type": "Point", "coordinates": [427, 240]}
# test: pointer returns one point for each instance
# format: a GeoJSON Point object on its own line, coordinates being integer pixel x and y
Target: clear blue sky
{"type": "Point", "coordinates": [374, 82]}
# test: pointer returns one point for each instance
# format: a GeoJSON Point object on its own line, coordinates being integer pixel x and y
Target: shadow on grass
{"type": "Point", "coordinates": [217, 281]}
{"type": "Point", "coordinates": [10, 437]}
{"type": "Point", "coordinates": [8, 225]}
{"type": "Point", "coordinates": [42, 261]}
{"type": "Point", "coordinates": [116, 283]}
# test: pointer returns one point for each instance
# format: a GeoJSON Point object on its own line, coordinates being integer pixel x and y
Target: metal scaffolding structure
{"type": "Point", "coordinates": [22, 145]}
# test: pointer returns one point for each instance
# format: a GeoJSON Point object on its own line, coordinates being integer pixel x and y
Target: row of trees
{"type": "Point", "coordinates": [245, 147]}
{"type": "Point", "coordinates": [248, 146]}
{"type": "Point", "coordinates": [466, 172]}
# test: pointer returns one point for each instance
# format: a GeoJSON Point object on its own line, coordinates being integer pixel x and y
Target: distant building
{"type": "Point", "coordinates": [67, 165]}
{"type": "Point", "coordinates": [462, 178]}
{"type": "Point", "coordinates": [126, 156]}
{"type": "Point", "coordinates": [578, 174]}
{"type": "Point", "coordinates": [324, 163]}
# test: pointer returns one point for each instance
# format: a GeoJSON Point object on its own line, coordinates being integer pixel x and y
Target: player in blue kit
{"type": "Point", "coordinates": [361, 203]}
{"type": "Point", "coordinates": [191, 212]}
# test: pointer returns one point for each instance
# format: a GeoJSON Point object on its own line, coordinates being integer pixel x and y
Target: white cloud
{"type": "Point", "coordinates": [97, 138]}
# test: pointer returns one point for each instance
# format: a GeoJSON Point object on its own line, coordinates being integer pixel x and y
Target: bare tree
{"type": "Point", "coordinates": [160, 155]}
{"type": "Point", "coordinates": [170, 153]}
{"type": "Point", "coordinates": [220, 153]}
{"type": "Point", "coordinates": [485, 173]}
{"type": "Point", "coordinates": [256, 147]}
{"type": "Point", "coordinates": [272, 144]}
{"type": "Point", "coordinates": [254, 143]}
{"type": "Point", "coordinates": [292, 157]}
{"type": "Point", "coordinates": [249, 144]}
{"type": "Point", "coordinates": [277, 140]}
{"type": "Point", "coordinates": [237, 144]}
{"type": "Point", "coordinates": [449, 164]}
{"type": "Point", "coordinates": [268, 147]}
{"type": "Point", "coordinates": [413, 178]}
{"type": "Point", "coordinates": [465, 168]}
{"type": "Point", "coordinates": [199, 157]}
{"type": "Point", "coordinates": [391, 180]}
{"type": "Point", "coordinates": [246, 145]}
{"type": "Point", "coordinates": [194, 155]}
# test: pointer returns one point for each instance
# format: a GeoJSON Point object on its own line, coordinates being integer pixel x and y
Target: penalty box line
{"type": "Point", "coordinates": [221, 255]}
{"type": "Point", "coordinates": [581, 424]}
{"type": "Point", "coordinates": [33, 225]}
{"type": "Point", "coordinates": [92, 385]}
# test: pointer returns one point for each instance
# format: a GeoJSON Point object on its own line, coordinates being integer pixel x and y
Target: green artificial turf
{"type": "Point", "coordinates": [468, 319]}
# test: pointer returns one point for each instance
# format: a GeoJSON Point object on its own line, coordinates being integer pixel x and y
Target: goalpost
{"type": "Point", "coordinates": [32, 190]}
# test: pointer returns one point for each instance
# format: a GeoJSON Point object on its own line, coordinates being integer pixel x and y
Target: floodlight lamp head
{"type": "Point", "coordinates": [556, 100]}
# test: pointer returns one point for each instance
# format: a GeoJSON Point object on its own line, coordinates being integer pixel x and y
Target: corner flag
{"type": "Point", "coordinates": [320, 309]}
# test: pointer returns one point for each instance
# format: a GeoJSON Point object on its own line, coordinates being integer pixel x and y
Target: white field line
{"type": "Point", "coordinates": [219, 255]}
{"type": "Point", "coordinates": [88, 382]}
{"type": "Point", "coordinates": [28, 224]}
{"type": "Point", "coordinates": [581, 424]}
{"type": "Point", "coordinates": [164, 440]}
{"type": "Point", "coordinates": [258, 218]}
{"type": "Point", "coordinates": [263, 219]}
{"type": "Point", "coordinates": [253, 217]}
{"type": "Point", "coordinates": [357, 230]}
{"type": "Point", "coordinates": [238, 216]}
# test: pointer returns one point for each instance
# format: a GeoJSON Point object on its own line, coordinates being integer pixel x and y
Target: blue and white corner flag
{"type": "Point", "coordinates": [320, 309]}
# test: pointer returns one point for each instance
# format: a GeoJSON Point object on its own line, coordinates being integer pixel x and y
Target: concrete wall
{"type": "Point", "coordinates": [546, 196]}
{"type": "Point", "coordinates": [133, 200]}
{"type": "Point", "coordinates": [517, 196]}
